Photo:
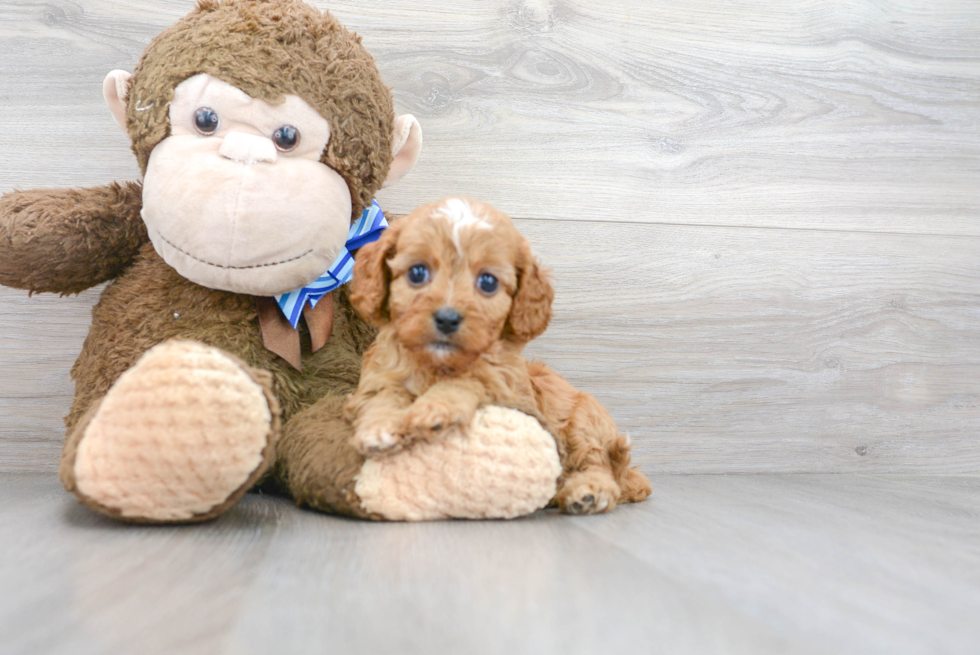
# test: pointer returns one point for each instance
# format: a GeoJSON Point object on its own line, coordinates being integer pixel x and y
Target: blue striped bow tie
{"type": "Point", "coordinates": [365, 229]}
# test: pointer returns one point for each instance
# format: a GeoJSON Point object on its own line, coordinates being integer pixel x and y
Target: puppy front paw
{"type": "Point", "coordinates": [588, 492]}
{"type": "Point", "coordinates": [380, 438]}
{"type": "Point", "coordinates": [427, 418]}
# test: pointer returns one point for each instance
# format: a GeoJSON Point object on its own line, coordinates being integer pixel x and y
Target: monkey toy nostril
{"type": "Point", "coordinates": [447, 320]}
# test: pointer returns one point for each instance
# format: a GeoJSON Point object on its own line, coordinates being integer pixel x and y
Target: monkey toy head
{"type": "Point", "coordinates": [262, 128]}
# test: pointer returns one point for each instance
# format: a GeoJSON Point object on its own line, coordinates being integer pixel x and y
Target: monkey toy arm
{"type": "Point", "coordinates": [67, 240]}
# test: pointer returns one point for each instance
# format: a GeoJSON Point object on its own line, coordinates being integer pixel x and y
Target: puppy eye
{"type": "Point", "coordinates": [418, 275]}
{"type": "Point", "coordinates": [206, 121]}
{"type": "Point", "coordinates": [487, 283]}
{"type": "Point", "coordinates": [286, 137]}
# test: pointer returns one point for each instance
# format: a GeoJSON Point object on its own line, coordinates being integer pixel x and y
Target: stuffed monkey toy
{"type": "Point", "coordinates": [221, 351]}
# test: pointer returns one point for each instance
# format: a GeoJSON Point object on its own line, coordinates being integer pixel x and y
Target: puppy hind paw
{"type": "Point", "coordinates": [588, 492]}
{"type": "Point", "coordinates": [587, 504]}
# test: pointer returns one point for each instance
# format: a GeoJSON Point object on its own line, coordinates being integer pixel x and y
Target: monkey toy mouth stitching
{"type": "Point", "coordinates": [181, 250]}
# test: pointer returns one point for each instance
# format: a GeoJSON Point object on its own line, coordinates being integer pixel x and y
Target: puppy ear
{"type": "Point", "coordinates": [369, 289]}
{"type": "Point", "coordinates": [530, 312]}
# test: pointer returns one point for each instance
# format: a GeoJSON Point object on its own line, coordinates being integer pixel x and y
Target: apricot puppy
{"type": "Point", "coordinates": [456, 294]}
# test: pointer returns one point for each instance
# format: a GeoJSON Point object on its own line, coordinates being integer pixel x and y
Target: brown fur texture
{"type": "Point", "coordinates": [68, 240]}
{"type": "Point", "coordinates": [417, 381]}
{"type": "Point", "coordinates": [151, 304]}
{"type": "Point", "coordinates": [317, 464]}
{"type": "Point", "coordinates": [268, 49]}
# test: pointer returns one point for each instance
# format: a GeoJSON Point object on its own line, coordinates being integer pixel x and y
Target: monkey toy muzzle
{"type": "Point", "coordinates": [237, 199]}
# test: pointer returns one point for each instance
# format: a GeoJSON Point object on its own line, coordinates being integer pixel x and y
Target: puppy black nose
{"type": "Point", "coordinates": [447, 320]}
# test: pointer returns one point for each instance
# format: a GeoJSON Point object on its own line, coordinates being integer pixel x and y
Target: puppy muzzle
{"type": "Point", "coordinates": [447, 320]}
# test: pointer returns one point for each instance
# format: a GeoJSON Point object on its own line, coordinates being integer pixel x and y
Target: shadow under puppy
{"type": "Point", "coordinates": [456, 294]}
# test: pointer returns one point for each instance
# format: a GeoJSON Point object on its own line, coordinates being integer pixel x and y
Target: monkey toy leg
{"type": "Point", "coordinates": [505, 465]}
{"type": "Point", "coordinates": [316, 462]}
{"type": "Point", "coordinates": [179, 437]}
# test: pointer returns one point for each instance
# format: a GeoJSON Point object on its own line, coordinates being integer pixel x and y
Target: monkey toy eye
{"type": "Point", "coordinates": [418, 275]}
{"type": "Point", "coordinates": [206, 121]}
{"type": "Point", "coordinates": [286, 137]}
{"type": "Point", "coordinates": [487, 283]}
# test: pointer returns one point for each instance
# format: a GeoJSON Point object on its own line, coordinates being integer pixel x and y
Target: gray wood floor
{"type": "Point", "coordinates": [764, 225]}
{"type": "Point", "coordinates": [713, 564]}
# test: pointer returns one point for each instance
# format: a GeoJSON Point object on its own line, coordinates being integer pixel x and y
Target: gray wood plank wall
{"type": "Point", "coordinates": [763, 218]}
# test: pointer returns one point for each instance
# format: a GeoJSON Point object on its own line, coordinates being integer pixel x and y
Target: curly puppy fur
{"type": "Point", "coordinates": [419, 380]}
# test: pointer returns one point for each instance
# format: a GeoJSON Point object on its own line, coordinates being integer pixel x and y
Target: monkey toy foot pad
{"type": "Point", "coordinates": [504, 465]}
{"type": "Point", "coordinates": [179, 437]}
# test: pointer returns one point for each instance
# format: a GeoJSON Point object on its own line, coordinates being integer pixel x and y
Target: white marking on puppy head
{"type": "Point", "coordinates": [461, 215]}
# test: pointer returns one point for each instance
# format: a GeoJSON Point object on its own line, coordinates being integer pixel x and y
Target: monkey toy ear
{"type": "Point", "coordinates": [406, 144]}
{"type": "Point", "coordinates": [114, 89]}
{"type": "Point", "coordinates": [369, 289]}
